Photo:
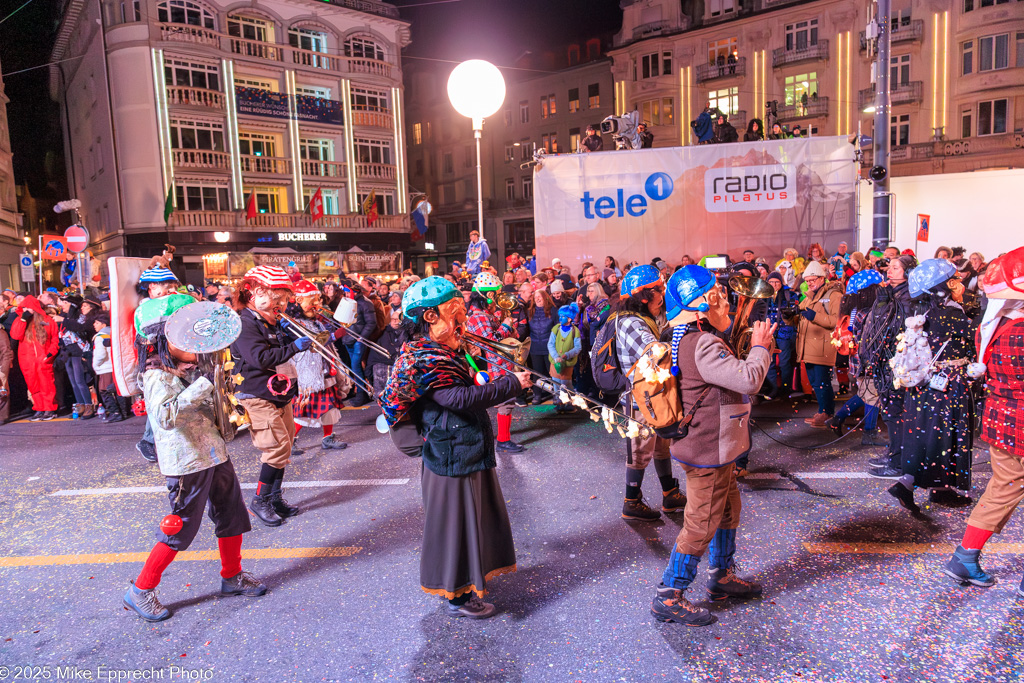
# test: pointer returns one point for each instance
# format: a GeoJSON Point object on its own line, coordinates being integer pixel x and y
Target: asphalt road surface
{"type": "Point", "coordinates": [852, 589]}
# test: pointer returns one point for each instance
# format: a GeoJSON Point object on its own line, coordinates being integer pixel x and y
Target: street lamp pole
{"type": "Point", "coordinates": [882, 220]}
{"type": "Point", "coordinates": [478, 127]}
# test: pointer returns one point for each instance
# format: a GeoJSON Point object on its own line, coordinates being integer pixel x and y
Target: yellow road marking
{"type": "Point", "coordinates": [187, 555]}
{"type": "Point", "coordinates": [906, 548]}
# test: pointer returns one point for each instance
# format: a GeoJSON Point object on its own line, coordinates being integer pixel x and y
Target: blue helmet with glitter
{"type": "Point", "coordinates": [427, 293]}
{"type": "Point", "coordinates": [928, 274]}
{"type": "Point", "coordinates": [686, 285]}
{"type": "Point", "coordinates": [638, 278]}
{"type": "Point", "coordinates": [863, 279]}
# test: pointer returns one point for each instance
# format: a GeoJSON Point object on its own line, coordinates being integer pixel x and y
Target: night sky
{"type": "Point", "coordinates": [497, 30]}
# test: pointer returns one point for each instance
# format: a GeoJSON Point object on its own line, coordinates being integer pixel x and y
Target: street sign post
{"type": "Point", "coordinates": [77, 239]}
{"type": "Point", "coordinates": [28, 271]}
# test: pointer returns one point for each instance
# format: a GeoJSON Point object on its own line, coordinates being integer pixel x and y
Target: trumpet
{"type": "Point", "coordinates": [510, 350]}
{"type": "Point", "coordinates": [749, 289]}
{"type": "Point", "coordinates": [334, 325]}
{"type": "Point", "coordinates": [320, 349]}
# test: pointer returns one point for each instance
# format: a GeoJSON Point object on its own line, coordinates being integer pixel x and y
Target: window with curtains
{"type": "Point", "coordinates": [201, 195]}
{"type": "Point", "coordinates": [994, 52]}
{"type": "Point", "coordinates": [899, 70]}
{"type": "Point", "coordinates": [510, 188]}
{"type": "Point", "coordinates": [364, 47]}
{"type": "Point", "coordinates": [992, 117]}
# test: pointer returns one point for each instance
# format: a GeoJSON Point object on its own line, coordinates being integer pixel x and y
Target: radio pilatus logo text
{"type": "Point", "coordinates": [750, 188]}
{"type": "Point", "coordinates": [657, 187]}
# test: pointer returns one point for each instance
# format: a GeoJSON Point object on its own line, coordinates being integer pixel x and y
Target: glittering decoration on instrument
{"type": "Point", "coordinates": [564, 397]}
{"type": "Point", "coordinates": [276, 381]}
{"type": "Point", "coordinates": [171, 524]}
{"type": "Point", "coordinates": [203, 327]}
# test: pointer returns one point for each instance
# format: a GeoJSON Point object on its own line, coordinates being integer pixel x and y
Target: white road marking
{"type": "Point", "coordinates": [327, 484]}
{"type": "Point", "coordinates": [809, 475]}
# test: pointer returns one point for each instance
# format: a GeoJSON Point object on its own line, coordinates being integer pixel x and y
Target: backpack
{"type": "Point", "coordinates": [604, 362]}
{"type": "Point", "coordinates": [656, 393]}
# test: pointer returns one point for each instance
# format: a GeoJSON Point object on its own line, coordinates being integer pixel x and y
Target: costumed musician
{"type": "Point", "coordinates": [265, 392]}
{"type": "Point", "coordinates": [194, 459]}
{"type": "Point", "coordinates": [635, 324]}
{"type": "Point", "coordinates": [322, 389]}
{"type": "Point", "coordinates": [714, 386]}
{"type": "Point", "coordinates": [435, 410]}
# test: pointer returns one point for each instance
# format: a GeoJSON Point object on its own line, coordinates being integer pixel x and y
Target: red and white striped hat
{"type": "Point", "coordinates": [271, 277]}
{"type": "Point", "coordinates": [305, 288]}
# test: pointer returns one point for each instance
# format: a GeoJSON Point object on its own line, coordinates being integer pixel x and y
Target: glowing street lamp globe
{"type": "Point", "coordinates": [476, 89]}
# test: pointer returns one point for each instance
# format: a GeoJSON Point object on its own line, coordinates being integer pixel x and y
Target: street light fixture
{"type": "Point", "coordinates": [476, 89]}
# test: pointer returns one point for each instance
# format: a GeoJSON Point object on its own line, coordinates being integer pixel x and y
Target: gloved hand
{"type": "Point", "coordinates": [338, 334]}
{"type": "Point", "coordinates": [809, 314]}
{"type": "Point", "coordinates": [27, 315]}
{"type": "Point", "coordinates": [302, 343]}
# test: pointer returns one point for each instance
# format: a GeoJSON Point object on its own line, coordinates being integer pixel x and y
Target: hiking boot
{"type": "Point", "coordinates": [819, 420]}
{"type": "Point", "coordinates": [242, 583]}
{"type": "Point", "coordinates": [674, 500]}
{"type": "Point", "coordinates": [474, 608]}
{"type": "Point", "coordinates": [965, 567]}
{"type": "Point", "coordinates": [330, 443]}
{"type": "Point", "coordinates": [637, 508]}
{"type": "Point", "coordinates": [835, 424]}
{"type": "Point", "coordinates": [904, 495]}
{"type": "Point", "coordinates": [873, 438]}
{"type": "Point", "coordinates": [147, 450]}
{"type": "Point", "coordinates": [670, 605]}
{"type": "Point", "coordinates": [281, 506]}
{"type": "Point", "coordinates": [723, 583]}
{"type": "Point", "coordinates": [76, 411]}
{"type": "Point", "coordinates": [263, 508]}
{"type": "Point", "coordinates": [510, 447]}
{"type": "Point", "coordinates": [87, 411]}
{"type": "Point", "coordinates": [948, 498]}
{"type": "Point", "coordinates": [885, 472]}
{"type": "Point", "coordinates": [145, 604]}
{"type": "Point", "coordinates": [361, 399]}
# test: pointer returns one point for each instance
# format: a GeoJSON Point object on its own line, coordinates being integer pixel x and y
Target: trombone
{"type": "Point", "coordinates": [512, 352]}
{"type": "Point", "coordinates": [317, 347]}
{"type": "Point", "coordinates": [334, 325]}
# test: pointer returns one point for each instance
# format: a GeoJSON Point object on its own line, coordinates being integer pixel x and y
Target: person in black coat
{"type": "Point", "coordinates": [391, 339]}
{"type": "Point", "coordinates": [725, 132]}
{"type": "Point", "coordinates": [76, 333]}
{"type": "Point", "coordinates": [755, 131]}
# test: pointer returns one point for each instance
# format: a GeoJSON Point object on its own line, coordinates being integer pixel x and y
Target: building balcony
{"type": "Point", "coordinates": [201, 159]}
{"type": "Point", "coordinates": [710, 72]}
{"type": "Point", "coordinates": [781, 56]}
{"type": "Point", "coordinates": [904, 93]}
{"type": "Point", "coordinates": [375, 171]}
{"type": "Point", "coordinates": [813, 109]}
{"type": "Point", "coordinates": [373, 118]}
{"type": "Point", "coordinates": [368, 6]}
{"type": "Point", "coordinates": [371, 66]}
{"type": "Point", "coordinates": [195, 97]}
{"type": "Point", "coordinates": [315, 168]}
{"type": "Point", "coordinates": [265, 165]}
{"type": "Point", "coordinates": [913, 30]}
{"type": "Point", "coordinates": [235, 220]}
{"type": "Point", "coordinates": [256, 48]}
{"type": "Point", "coordinates": [187, 33]}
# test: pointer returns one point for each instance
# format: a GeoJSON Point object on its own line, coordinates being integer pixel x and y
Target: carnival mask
{"type": "Point", "coordinates": [448, 325]}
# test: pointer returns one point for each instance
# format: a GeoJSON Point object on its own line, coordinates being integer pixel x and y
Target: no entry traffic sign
{"type": "Point", "coordinates": [77, 238]}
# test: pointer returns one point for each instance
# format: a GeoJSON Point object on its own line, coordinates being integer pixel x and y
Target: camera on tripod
{"type": "Point", "coordinates": [623, 130]}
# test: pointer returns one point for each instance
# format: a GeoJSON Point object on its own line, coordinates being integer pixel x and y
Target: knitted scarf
{"type": "Point", "coordinates": [423, 365]}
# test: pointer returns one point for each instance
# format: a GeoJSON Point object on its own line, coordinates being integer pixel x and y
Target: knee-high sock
{"type": "Point", "coordinates": [722, 549]}
{"type": "Point", "coordinates": [870, 418]}
{"type": "Point", "coordinates": [634, 478]}
{"type": "Point", "coordinates": [160, 557]}
{"type": "Point", "coordinates": [275, 486]}
{"type": "Point", "coordinates": [230, 555]}
{"type": "Point", "coordinates": [680, 571]}
{"type": "Point", "coordinates": [268, 474]}
{"type": "Point", "coordinates": [664, 470]}
{"type": "Point", "coordinates": [328, 430]}
{"type": "Point", "coordinates": [975, 538]}
{"type": "Point", "coordinates": [504, 427]}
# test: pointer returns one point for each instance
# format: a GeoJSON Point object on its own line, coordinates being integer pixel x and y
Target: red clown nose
{"type": "Point", "coordinates": [171, 524]}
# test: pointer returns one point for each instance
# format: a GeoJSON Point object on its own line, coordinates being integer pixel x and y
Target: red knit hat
{"type": "Point", "coordinates": [1004, 277]}
{"type": "Point", "coordinates": [271, 277]}
{"type": "Point", "coordinates": [305, 288]}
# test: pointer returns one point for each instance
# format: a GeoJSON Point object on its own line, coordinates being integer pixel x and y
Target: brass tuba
{"type": "Point", "coordinates": [749, 290]}
{"type": "Point", "coordinates": [506, 301]}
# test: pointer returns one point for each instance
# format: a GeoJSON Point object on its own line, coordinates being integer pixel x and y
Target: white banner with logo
{"type": "Point", "coordinates": [708, 199]}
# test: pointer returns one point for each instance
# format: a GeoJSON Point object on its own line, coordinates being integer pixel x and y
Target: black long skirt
{"type": "Point", "coordinates": [467, 538]}
{"type": "Point", "coordinates": [937, 434]}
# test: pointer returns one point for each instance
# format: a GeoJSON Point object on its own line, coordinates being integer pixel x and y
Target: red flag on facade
{"type": "Point", "coordinates": [250, 206]}
{"type": "Point", "coordinates": [316, 205]}
{"type": "Point", "coordinates": [370, 207]}
{"type": "Point", "coordinates": [923, 226]}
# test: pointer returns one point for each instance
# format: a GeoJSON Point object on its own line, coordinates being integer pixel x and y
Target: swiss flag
{"type": "Point", "coordinates": [316, 205]}
{"type": "Point", "coordinates": [250, 206]}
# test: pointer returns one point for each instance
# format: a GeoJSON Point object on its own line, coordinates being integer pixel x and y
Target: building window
{"type": "Point", "coordinates": [720, 50]}
{"type": "Point", "coordinates": [417, 133]}
{"type": "Point", "coordinates": [268, 199]}
{"type": "Point", "coordinates": [650, 65]}
{"type": "Point", "coordinates": [372, 151]}
{"type": "Point", "coordinates": [657, 112]}
{"type": "Point", "coordinates": [385, 202]}
{"type": "Point", "coordinates": [130, 11]}
{"type": "Point", "coordinates": [801, 88]}
{"type": "Point", "coordinates": [970, 5]}
{"type": "Point", "coordinates": [899, 70]}
{"type": "Point", "coordinates": [197, 135]}
{"type": "Point", "coordinates": [899, 130]}
{"type": "Point", "coordinates": [191, 74]}
{"type": "Point", "coordinates": [1020, 48]}
{"type": "Point", "coordinates": [594, 95]}
{"type": "Point", "coordinates": [311, 41]}
{"type": "Point", "coordinates": [992, 117]}
{"type": "Point", "coordinates": [186, 12]}
{"type": "Point", "coordinates": [967, 57]}
{"type": "Point", "coordinates": [313, 91]}
{"type": "Point", "coordinates": [725, 100]}
{"type": "Point", "coordinates": [508, 116]}
{"type": "Point", "coordinates": [899, 18]}
{"type": "Point", "coordinates": [364, 48]}
{"type": "Point", "coordinates": [257, 83]}
{"type": "Point", "coordinates": [448, 163]}
{"type": "Point", "coordinates": [528, 188]}
{"type": "Point", "coordinates": [201, 196]}
{"type": "Point", "coordinates": [257, 145]}
{"type": "Point", "coordinates": [720, 8]}
{"type": "Point", "coordinates": [510, 153]}
{"type": "Point", "coordinates": [419, 167]}
{"type": "Point", "coordinates": [316, 149]}
{"type": "Point", "coordinates": [525, 149]}
{"type": "Point", "coordinates": [251, 28]}
{"type": "Point", "coordinates": [458, 233]}
{"type": "Point", "coordinates": [994, 52]}
{"type": "Point", "coordinates": [574, 97]}
{"type": "Point", "coordinates": [574, 139]}
{"type": "Point", "coordinates": [367, 99]}
{"type": "Point", "coordinates": [524, 111]}
{"type": "Point", "coordinates": [467, 156]}
{"type": "Point", "coordinates": [330, 197]}
{"type": "Point", "coordinates": [550, 142]}
{"type": "Point", "coordinates": [802, 35]}
{"type": "Point", "coordinates": [965, 123]}
{"type": "Point", "coordinates": [547, 106]}
{"type": "Point", "coordinates": [510, 188]}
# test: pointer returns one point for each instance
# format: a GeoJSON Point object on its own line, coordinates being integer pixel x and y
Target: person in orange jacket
{"type": "Point", "coordinates": [39, 339]}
